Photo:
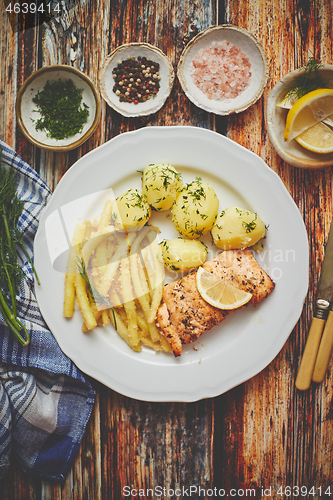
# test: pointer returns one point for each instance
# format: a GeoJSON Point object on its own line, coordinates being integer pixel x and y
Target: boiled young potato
{"type": "Point", "coordinates": [131, 210]}
{"type": "Point", "coordinates": [181, 255]}
{"type": "Point", "coordinates": [161, 184]}
{"type": "Point", "coordinates": [237, 228]}
{"type": "Point", "coordinates": [195, 209]}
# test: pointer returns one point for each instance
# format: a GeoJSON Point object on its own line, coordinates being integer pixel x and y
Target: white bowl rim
{"type": "Point", "coordinates": [30, 79]}
{"type": "Point", "coordinates": [110, 57]}
{"type": "Point", "coordinates": [202, 35]}
{"type": "Point", "coordinates": [315, 160]}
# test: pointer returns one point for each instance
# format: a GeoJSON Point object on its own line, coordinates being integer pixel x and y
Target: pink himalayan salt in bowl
{"type": "Point", "coordinates": [223, 69]}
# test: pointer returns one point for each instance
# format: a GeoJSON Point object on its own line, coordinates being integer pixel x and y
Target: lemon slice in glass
{"type": "Point", "coordinates": [310, 109]}
{"type": "Point", "coordinates": [218, 293]}
{"type": "Point", "coordinates": [318, 138]}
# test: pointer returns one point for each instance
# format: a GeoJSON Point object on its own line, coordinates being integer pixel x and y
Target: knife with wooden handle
{"type": "Point", "coordinates": [324, 352]}
{"type": "Point", "coordinates": [322, 304]}
{"type": "Point", "coordinates": [309, 357]}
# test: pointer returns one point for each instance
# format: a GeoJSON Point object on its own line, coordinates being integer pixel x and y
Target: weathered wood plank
{"type": "Point", "coordinates": [127, 442]}
{"type": "Point", "coordinates": [16, 42]}
{"type": "Point", "coordinates": [154, 444]}
{"type": "Point", "coordinates": [264, 432]}
{"type": "Point", "coordinates": [88, 23]}
{"type": "Point", "coordinates": [283, 436]}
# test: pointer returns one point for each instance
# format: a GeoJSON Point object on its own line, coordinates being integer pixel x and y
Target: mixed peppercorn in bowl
{"type": "Point", "coordinates": [136, 79]}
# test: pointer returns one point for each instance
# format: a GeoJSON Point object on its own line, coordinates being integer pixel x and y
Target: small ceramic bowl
{"type": "Point", "coordinates": [136, 49]}
{"type": "Point", "coordinates": [292, 152]}
{"type": "Point", "coordinates": [249, 45]}
{"type": "Point", "coordinates": [27, 112]}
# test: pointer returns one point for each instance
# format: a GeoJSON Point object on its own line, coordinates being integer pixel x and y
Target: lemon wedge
{"type": "Point", "coordinates": [218, 293]}
{"type": "Point", "coordinates": [310, 109]}
{"type": "Point", "coordinates": [318, 138]}
{"type": "Point", "coordinates": [288, 101]}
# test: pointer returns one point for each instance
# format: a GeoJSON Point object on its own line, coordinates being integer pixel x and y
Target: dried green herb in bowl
{"type": "Point", "coordinates": [62, 114]}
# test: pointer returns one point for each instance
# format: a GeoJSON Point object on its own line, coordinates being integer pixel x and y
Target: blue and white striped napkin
{"type": "Point", "coordinates": [45, 401]}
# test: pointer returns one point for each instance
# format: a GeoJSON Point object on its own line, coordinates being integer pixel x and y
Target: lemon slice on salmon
{"type": "Point", "coordinates": [218, 293]}
{"type": "Point", "coordinates": [310, 109]}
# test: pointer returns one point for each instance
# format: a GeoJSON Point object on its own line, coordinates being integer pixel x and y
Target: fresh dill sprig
{"type": "Point", "coordinates": [11, 237]}
{"type": "Point", "coordinates": [307, 81]}
{"type": "Point", "coordinates": [94, 293]}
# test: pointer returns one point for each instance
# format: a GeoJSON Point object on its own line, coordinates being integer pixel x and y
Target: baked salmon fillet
{"type": "Point", "coordinates": [184, 315]}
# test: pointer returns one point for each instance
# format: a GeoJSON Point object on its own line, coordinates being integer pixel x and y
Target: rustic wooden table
{"type": "Point", "coordinates": [264, 433]}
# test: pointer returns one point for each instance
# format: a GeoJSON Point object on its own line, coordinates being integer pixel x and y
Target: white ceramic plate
{"type": "Point", "coordinates": [244, 343]}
